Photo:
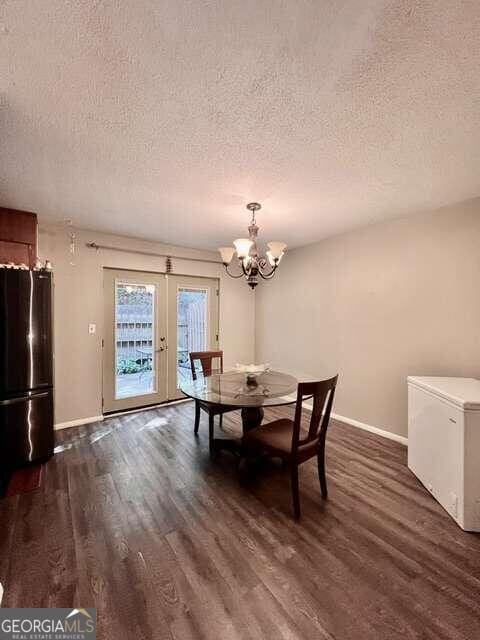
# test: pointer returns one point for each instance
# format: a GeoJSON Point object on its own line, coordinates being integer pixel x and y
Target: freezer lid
{"type": "Point", "coordinates": [463, 392]}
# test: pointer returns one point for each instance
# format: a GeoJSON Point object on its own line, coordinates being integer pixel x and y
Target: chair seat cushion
{"type": "Point", "coordinates": [277, 435]}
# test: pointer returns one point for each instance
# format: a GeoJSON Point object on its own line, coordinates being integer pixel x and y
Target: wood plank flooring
{"type": "Point", "coordinates": [134, 519]}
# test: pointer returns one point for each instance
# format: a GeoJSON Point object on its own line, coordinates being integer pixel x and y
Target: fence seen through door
{"type": "Point", "coordinates": [135, 335]}
{"type": "Point", "coordinates": [192, 330]}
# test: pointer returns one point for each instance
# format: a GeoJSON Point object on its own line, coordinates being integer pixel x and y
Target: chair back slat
{"type": "Point", "coordinates": [322, 394]}
{"type": "Point", "coordinates": [206, 358]}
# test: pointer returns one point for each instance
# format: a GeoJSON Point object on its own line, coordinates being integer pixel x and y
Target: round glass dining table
{"type": "Point", "coordinates": [230, 389]}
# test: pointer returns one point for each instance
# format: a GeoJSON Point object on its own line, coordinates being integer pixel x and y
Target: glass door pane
{"type": "Point", "coordinates": [192, 327]}
{"type": "Point", "coordinates": [134, 339]}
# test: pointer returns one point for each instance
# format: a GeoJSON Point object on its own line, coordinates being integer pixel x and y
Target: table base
{"type": "Point", "coordinates": [251, 419]}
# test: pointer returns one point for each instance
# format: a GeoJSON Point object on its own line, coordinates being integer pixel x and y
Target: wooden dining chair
{"type": "Point", "coordinates": [292, 442]}
{"type": "Point", "coordinates": [209, 362]}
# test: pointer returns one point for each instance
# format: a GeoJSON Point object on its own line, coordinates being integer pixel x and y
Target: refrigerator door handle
{"type": "Point", "coordinates": [23, 398]}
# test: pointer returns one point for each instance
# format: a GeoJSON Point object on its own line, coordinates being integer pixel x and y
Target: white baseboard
{"type": "Point", "coordinates": [308, 405]}
{"type": "Point", "coordinates": [362, 425]}
{"type": "Point", "coordinates": [368, 427]}
{"type": "Point", "coordinates": [77, 423]}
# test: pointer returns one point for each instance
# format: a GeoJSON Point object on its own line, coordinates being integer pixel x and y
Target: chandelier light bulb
{"type": "Point", "coordinates": [242, 246]}
{"type": "Point", "coordinates": [277, 249]}
{"type": "Point", "coordinates": [227, 254]}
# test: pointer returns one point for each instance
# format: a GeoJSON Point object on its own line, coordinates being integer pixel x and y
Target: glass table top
{"type": "Point", "coordinates": [231, 389]}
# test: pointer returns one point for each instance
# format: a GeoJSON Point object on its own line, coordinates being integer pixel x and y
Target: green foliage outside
{"type": "Point", "coordinates": [130, 365]}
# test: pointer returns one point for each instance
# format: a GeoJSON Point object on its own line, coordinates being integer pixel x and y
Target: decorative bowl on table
{"type": "Point", "coordinates": [252, 371]}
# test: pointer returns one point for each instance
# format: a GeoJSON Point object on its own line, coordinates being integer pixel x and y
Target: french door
{"type": "Point", "coordinates": [152, 322]}
{"type": "Point", "coordinates": [135, 340]}
{"type": "Point", "coordinates": [192, 325]}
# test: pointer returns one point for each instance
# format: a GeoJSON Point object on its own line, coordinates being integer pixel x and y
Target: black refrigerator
{"type": "Point", "coordinates": [26, 369]}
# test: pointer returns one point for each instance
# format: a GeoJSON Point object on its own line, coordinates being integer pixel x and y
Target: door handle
{"type": "Point", "coordinates": [164, 348]}
{"type": "Point", "coordinates": [23, 398]}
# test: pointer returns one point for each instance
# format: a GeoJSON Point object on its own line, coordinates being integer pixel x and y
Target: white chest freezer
{"type": "Point", "coordinates": [444, 443]}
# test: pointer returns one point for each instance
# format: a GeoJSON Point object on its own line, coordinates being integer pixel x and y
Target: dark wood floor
{"type": "Point", "coordinates": [134, 519]}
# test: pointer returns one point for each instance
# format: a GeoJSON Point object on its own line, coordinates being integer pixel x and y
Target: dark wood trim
{"type": "Point", "coordinates": [144, 407]}
{"type": "Point", "coordinates": [18, 236]}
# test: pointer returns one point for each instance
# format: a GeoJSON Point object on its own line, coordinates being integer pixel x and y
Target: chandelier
{"type": "Point", "coordinates": [252, 264]}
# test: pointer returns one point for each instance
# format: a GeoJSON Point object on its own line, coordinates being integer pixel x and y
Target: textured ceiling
{"type": "Point", "coordinates": [162, 119]}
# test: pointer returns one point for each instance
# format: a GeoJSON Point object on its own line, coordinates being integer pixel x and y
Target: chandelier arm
{"type": "Point", "coordinates": [268, 276]}
{"type": "Point", "coordinates": [245, 272]}
{"type": "Point", "coordinates": [232, 275]}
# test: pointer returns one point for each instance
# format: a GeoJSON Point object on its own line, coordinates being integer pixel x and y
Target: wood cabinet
{"type": "Point", "coordinates": [18, 237]}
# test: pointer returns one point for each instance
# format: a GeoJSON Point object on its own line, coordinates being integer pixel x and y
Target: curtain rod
{"type": "Point", "coordinates": [94, 245]}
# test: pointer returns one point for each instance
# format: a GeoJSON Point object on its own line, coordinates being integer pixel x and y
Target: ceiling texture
{"type": "Point", "coordinates": [162, 118]}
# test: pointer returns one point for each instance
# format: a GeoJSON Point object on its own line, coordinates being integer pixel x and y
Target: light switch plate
{"type": "Point", "coordinates": [92, 328]}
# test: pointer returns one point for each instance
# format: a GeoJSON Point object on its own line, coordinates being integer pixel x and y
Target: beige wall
{"type": "Point", "coordinates": [375, 305]}
{"type": "Point", "coordinates": [79, 301]}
